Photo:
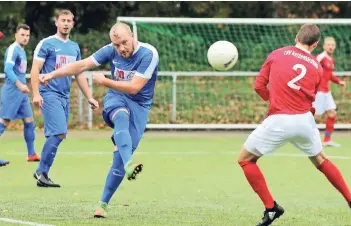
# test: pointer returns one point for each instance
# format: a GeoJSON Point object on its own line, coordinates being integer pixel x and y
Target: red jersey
{"type": "Point", "coordinates": [327, 63]}
{"type": "Point", "coordinates": [289, 80]}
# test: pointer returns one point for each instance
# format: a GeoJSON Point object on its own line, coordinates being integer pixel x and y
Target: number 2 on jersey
{"type": "Point", "coordinates": [302, 74]}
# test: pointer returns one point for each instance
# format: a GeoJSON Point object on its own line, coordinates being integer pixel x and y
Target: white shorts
{"type": "Point", "coordinates": [277, 130]}
{"type": "Point", "coordinates": [324, 102]}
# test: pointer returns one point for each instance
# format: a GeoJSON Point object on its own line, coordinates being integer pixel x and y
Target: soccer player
{"type": "Point", "coordinates": [14, 94]}
{"type": "Point", "coordinates": [288, 80]}
{"type": "Point", "coordinates": [52, 53]}
{"type": "Point", "coordinates": [134, 67]}
{"type": "Point", "coordinates": [324, 100]}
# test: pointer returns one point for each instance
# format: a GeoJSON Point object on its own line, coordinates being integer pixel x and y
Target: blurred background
{"type": "Point", "coordinates": [221, 99]}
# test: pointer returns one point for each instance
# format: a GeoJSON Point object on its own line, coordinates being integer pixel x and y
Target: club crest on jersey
{"type": "Point", "coordinates": [23, 66]}
{"type": "Point", "coordinates": [62, 60]}
{"type": "Point", "coordinates": [123, 75]}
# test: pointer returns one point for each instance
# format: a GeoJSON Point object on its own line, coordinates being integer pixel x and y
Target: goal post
{"type": "Point", "coordinates": [191, 94]}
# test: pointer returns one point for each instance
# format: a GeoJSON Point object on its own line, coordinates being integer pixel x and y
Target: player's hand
{"type": "Point", "coordinates": [342, 84]}
{"type": "Point", "coordinates": [23, 88]}
{"type": "Point", "coordinates": [45, 78]}
{"type": "Point", "coordinates": [99, 78]}
{"type": "Point", "coordinates": [93, 103]}
{"type": "Point", "coordinates": [38, 100]}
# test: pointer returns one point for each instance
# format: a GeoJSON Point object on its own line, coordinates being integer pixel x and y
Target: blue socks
{"type": "Point", "coordinates": [28, 133]}
{"type": "Point", "coordinates": [122, 136]}
{"type": "Point", "coordinates": [2, 128]}
{"type": "Point", "coordinates": [114, 177]}
{"type": "Point", "coordinates": [29, 137]}
{"type": "Point", "coordinates": [48, 153]}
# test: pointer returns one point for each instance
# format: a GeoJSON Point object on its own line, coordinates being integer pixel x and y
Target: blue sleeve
{"type": "Point", "coordinates": [102, 56]}
{"type": "Point", "coordinates": [41, 51]}
{"type": "Point", "coordinates": [10, 73]}
{"type": "Point", "coordinates": [148, 64]}
{"type": "Point", "coordinates": [12, 54]}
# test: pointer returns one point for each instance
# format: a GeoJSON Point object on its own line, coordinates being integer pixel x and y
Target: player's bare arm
{"type": "Point", "coordinates": [83, 85]}
{"type": "Point", "coordinates": [69, 70]}
{"type": "Point", "coordinates": [133, 87]}
{"type": "Point", "coordinates": [34, 77]}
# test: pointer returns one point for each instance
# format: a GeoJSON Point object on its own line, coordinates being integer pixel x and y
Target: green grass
{"type": "Point", "coordinates": [189, 179]}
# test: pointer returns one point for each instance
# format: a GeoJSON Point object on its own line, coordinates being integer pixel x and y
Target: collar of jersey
{"type": "Point", "coordinates": [61, 39]}
{"type": "Point", "coordinates": [16, 43]}
{"type": "Point", "coordinates": [136, 49]}
{"type": "Point", "coordinates": [326, 55]}
{"type": "Point", "coordinates": [305, 50]}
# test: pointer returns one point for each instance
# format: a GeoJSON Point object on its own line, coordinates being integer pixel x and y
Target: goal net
{"type": "Point", "coordinates": [191, 94]}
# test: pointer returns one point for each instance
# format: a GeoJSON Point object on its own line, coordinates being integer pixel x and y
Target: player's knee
{"type": "Point", "coordinates": [62, 136]}
{"type": "Point", "coordinates": [332, 114]}
{"type": "Point", "coordinates": [318, 159]}
{"type": "Point", "coordinates": [28, 120]}
{"type": "Point", "coordinates": [6, 122]}
{"type": "Point", "coordinates": [245, 156]}
{"type": "Point", "coordinates": [120, 115]}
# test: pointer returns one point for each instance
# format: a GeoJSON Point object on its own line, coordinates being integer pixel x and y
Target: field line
{"type": "Point", "coordinates": [8, 220]}
{"type": "Point", "coordinates": [182, 153]}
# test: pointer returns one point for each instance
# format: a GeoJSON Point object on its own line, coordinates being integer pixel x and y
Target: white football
{"type": "Point", "coordinates": [222, 55]}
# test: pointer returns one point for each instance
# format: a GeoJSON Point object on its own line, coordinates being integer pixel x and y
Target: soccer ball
{"type": "Point", "coordinates": [222, 55]}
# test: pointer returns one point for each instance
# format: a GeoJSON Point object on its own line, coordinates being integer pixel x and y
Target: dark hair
{"type": "Point", "coordinates": [63, 12]}
{"type": "Point", "coordinates": [309, 34]}
{"type": "Point", "coordinates": [22, 26]}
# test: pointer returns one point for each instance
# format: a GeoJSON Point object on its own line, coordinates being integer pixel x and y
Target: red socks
{"type": "Point", "coordinates": [334, 176]}
{"type": "Point", "coordinates": [256, 179]}
{"type": "Point", "coordinates": [329, 128]}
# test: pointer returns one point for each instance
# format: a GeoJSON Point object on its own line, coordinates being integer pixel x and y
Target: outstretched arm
{"type": "Point", "coordinates": [75, 68]}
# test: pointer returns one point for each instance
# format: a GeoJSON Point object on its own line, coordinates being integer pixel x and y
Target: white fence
{"type": "Point", "coordinates": [174, 76]}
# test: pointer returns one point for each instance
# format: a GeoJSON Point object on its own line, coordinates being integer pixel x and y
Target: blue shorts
{"type": "Point", "coordinates": [55, 111]}
{"type": "Point", "coordinates": [138, 115]}
{"type": "Point", "coordinates": [14, 103]}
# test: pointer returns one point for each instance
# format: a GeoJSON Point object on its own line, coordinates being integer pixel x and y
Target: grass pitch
{"type": "Point", "coordinates": [188, 179]}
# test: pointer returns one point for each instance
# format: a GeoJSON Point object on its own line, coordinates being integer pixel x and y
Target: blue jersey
{"type": "Point", "coordinates": [143, 62]}
{"type": "Point", "coordinates": [16, 62]}
{"type": "Point", "coordinates": [56, 53]}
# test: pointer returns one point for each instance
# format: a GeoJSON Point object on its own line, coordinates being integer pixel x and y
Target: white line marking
{"type": "Point", "coordinates": [179, 153]}
{"type": "Point", "coordinates": [23, 222]}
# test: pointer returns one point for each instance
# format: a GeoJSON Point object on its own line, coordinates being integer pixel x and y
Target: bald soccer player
{"type": "Point", "coordinates": [134, 67]}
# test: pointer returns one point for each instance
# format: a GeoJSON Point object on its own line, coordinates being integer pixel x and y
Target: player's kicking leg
{"type": "Point", "coordinates": [123, 140]}
{"type": "Point", "coordinates": [3, 124]}
{"type": "Point", "coordinates": [126, 139]}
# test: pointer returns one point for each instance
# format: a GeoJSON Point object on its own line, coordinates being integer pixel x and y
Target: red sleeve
{"type": "Point", "coordinates": [263, 78]}
{"type": "Point", "coordinates": [334, 79]}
